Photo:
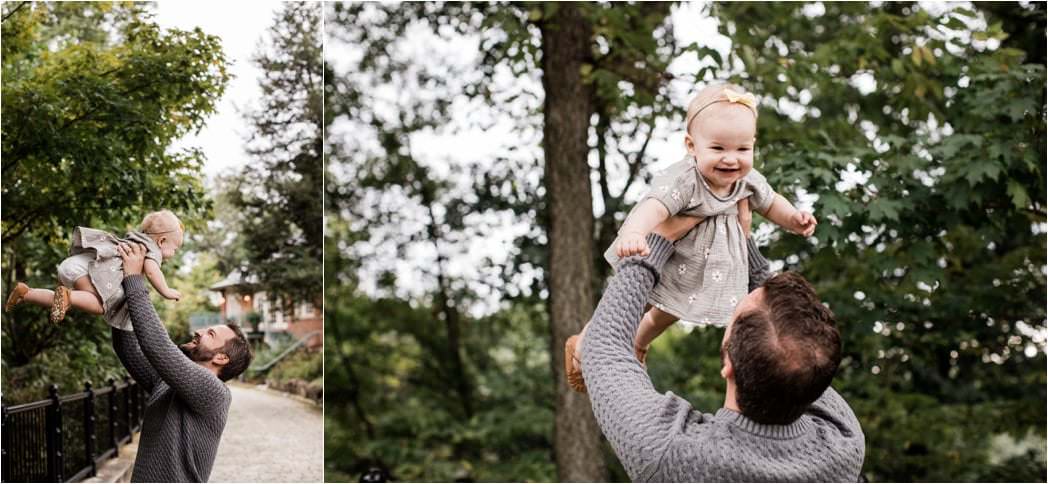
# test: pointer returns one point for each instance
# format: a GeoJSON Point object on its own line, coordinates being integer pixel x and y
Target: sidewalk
{"type": "Point", "coordinates": [270, 437]}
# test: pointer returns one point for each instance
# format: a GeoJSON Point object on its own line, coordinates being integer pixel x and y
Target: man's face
{"type": "Point", "coordinates": [207, 342]}
{"type": "Point", "coordinates": [752, 302]}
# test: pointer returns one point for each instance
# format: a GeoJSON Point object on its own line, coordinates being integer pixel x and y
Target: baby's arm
{"type": "Point", "coordinates": [156, 278]}
{"type": "Point", "coordinates": [649, 214]}
{"type": "Point", "coordinates": [785, 215]}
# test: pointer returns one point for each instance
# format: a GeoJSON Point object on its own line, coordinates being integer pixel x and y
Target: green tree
{"type": "Point", "coordinates": [93, 96]}
{"type": "Point", "coordinates": [278, 197]}
{"type": "Point", "coordinates": [88, 119]}
{"type": "Point", "coordinates": [595, 60]}
{"type": "Point", "coordinates": [934, 262]}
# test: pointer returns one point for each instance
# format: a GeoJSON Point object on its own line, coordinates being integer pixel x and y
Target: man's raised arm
{"type": "Point", "coordinates": [638, 421]}
{"type": "Point", "coordinates": [126, 347]}
{"type": "Point", "coordinates": [200, 389]}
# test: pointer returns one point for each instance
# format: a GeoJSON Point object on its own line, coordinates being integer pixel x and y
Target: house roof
{"type": "Point", "coordinates": [234, 279]}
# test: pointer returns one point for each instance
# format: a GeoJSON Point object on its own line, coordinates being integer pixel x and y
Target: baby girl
{"type": "Point", "coordinates": [91, 276]}
{"type": "Point", "coordinates": [707, 275]}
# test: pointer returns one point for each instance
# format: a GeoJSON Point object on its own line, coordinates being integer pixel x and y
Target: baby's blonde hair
{"type": "Point", "coordinates": [709, 95]}
{"type": "Point", "coordinates": [161, 222]}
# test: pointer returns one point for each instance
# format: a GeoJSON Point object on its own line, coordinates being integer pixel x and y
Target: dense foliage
{"type": "Point", "coordinates": [935, 263]}
{"type": "Point", "coordinates": [94, 94]}
{"type": "Point", "coordinates": [920, 134]}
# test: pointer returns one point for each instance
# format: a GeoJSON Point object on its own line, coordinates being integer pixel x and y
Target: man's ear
{"type": "Point", "coordinates": [220, 359]}
{"type": "Point", "coordinates": [727, 370]}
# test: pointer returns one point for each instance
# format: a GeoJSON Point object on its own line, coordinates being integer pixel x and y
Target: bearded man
{"type": "Point", "coordinates": [188, 401]}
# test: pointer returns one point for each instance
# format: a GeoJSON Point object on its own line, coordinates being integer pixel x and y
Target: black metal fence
{"type": "Point", "coordinates": [65, 438]}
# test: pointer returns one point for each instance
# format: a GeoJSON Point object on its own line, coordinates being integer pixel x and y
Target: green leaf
{"type": "Point", "coordinates": [882, 209]}
{"type": "Point", "coordinates": [1018, 194]}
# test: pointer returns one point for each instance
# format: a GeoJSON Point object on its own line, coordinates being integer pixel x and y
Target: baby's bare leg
{"type": "Point", "coordinates": [40, 297]}
{"type": "Point", "coordinates": [654, 323]}
{"type": "Point", "coordinates": [84, 297]}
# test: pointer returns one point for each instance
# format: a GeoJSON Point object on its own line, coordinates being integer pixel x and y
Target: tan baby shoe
{"type": "Point", "coordinates": [60, 304]}
{"type": "Point", "coordinates": [16, 296]}
{"type": "Point", "coordinates": [572, 365]}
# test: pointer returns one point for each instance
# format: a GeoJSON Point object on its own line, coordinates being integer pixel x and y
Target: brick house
{"type": "Point", "coordinates": [240, 302]}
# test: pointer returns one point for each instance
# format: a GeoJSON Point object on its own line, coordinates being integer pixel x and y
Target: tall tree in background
{"type": "Point", "coordinates": [279, 196]}
{"type": "Point", "coordinates": [94, 94]}
{"type": "Point", "coordinates": [567, 109]}
{"type": "Point", "coordinates": [615, 67]}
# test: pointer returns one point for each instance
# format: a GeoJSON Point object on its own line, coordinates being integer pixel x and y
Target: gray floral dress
{"type": "Point", "coordinates": [94, 253]}
{"type": "Point", "coordinates": [706, 276]}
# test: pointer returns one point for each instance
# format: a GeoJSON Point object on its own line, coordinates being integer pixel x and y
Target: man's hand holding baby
{"type": "Point", "coordinates": [134, 256]}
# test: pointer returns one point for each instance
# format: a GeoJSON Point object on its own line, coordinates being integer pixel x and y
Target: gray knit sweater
{"type": "Point", "coordinates": [187, 405]}
{"type": "Point", "coordinates": [661, 438]}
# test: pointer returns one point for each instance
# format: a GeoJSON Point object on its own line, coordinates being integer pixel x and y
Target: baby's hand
{"type": "Point", "coordinates": [173, 295]}
{"type": "Point", "coordinates": [632, 243]}
{"type": "Point", "coordinates": [804, 223]}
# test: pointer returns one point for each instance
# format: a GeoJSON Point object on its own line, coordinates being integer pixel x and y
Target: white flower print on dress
{"type": "Point", "coordinates": [733, 301]}
{"type": "Point", "coordinates": [706, 255]}
{"type": "Point", "coordinates": [682, 269]}
{"type": "Point", "coordinates": [717, 276]}
{"type": "Point", "coordinates": [691, 299]}
{"type": "Point", "coordinates": [675, 195]}
{"type": "Point", "coordinates": [705, 321]}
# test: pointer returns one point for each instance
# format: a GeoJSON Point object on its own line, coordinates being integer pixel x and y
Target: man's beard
{"type": "Point", "coordinates": [196, 353]}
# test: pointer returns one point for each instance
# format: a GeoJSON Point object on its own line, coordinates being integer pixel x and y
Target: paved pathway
{"type": "Point", "coordinates": [270, 437]}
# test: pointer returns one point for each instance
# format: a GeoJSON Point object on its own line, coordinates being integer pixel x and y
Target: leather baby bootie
{"type": "Point", "coordinates": [572, 365]}
{"type": "Point", "coordinates": [16, 296]}
{"type": "Point", "coordinates": [60, 304]}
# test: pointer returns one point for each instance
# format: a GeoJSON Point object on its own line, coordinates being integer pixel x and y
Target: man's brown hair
{"type": "Point", "coordinates": [239, 352]}
{"type": "Point", "coordinates": [784, 354]}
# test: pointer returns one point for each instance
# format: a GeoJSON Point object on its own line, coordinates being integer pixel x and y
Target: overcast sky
{"type": "Point", "coordinates": [240, 25]}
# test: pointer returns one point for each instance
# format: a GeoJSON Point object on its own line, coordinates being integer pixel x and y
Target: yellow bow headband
{"type": "Point", "coordinates": [729, 96]}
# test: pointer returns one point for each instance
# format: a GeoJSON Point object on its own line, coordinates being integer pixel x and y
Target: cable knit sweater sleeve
{"type": "Point", "coordinates": [126, 347]}
{"type": "Point", "coordinates": [200, 389]}
{"type": "Point", "coordinates": [637, 421]}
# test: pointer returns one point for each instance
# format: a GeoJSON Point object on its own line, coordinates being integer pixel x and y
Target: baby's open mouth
{"type": "Point", "coordinates": [727, 170]}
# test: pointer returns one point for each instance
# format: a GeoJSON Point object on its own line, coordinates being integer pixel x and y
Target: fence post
{"type": "Point", "coordinates": [127, 404]}
{"type": "Point", "coordinates": [112, 417]}
{"type": "Point", "coordinates": [54, 436]}
{"type": "Point", "coordinates": [5, 431]}
{"type": "Point", "coordinates": [132, 407]}
{"type": "Point", "coordinates": [141, 405]}
{"type": "Point", "coordinates": [90, 438]}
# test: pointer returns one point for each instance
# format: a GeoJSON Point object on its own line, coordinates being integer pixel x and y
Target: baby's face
{"type": "Point", "coordinates": [170, 243]}
{"type": "Point", "coordinates": [722, 139]}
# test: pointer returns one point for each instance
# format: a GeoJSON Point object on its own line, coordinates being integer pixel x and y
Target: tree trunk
{"type": "Point", "coordinates": [567, 109]}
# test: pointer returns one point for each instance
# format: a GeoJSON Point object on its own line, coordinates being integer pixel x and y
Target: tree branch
{"type": "Point", "coordinates": [19, 7]}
